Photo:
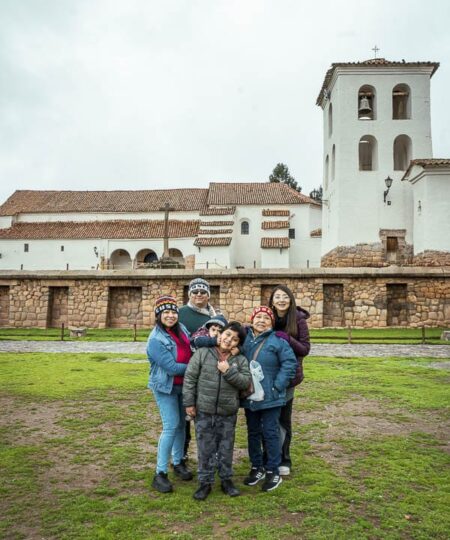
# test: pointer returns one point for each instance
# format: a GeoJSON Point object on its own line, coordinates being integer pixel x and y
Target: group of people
{"type": "Point", "coordinates": [203, 369]}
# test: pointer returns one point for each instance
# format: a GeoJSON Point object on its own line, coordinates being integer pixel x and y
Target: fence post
{"type": "Point", "coordinates": [134, 332]}
{"type": "Point", "coordinates": [349, 328]}
{"type": "Point", "coordinates": [423, 335]}
{"type": "Point", "coordinates": [62, 331]}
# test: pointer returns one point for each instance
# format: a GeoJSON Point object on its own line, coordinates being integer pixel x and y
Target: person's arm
{"type": "Point", "coordinates": [238, 374]}
{"type": "Point", "coordinates": [159, 354]}
{"type": "Point", "coordinates": [288, 365]}
{"type": "Point", "coordinates": [204, 341]}
{"type": "Point", "coordinates": [301, 345]}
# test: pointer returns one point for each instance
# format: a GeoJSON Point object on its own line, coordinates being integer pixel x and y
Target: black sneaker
{"type": "Point", "coordinates": [229, 488]}
{"type": "Point", "coordinates": [254, 476]}
{"type": "Point", "coordinates": [161, 483]}
{"type": "Point", "coordinates": [272, 481]}
{"type": "Point", "coordinates": [182, 471]}
{"type": "Point", "coordinates": [202, 492]}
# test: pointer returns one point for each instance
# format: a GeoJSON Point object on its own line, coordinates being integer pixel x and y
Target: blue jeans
{"type": "Point", "coordinates": [264, 425]}
{"type": "Point", "coordinates": [171, 440]}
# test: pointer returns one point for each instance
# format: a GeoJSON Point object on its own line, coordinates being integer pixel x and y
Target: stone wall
{"type": "Point", "coordinates": [58, 306]}
{"type": "Point", "coordinates": [353, 296]}
{"type": "Point", "coordinates": [4, 306]}
{"type": "Point", "coordinates": [431, 258]}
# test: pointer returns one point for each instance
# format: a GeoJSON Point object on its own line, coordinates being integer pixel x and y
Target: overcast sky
{"type": "Point", "coordinates": [144, 94]}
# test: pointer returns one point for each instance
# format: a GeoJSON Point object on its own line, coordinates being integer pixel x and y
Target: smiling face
{"type": "Point", "coordinates": [169, 318]}
{"type": "Point", "coordinates": [261, 322]}
{"type": "Point", "coordinates": [199, 298]}
{"type": "Point", "coordinates": [214, 330]}
{"type": "Point", "coordinates": [228, 339]}
{"type": "Point", "coordinates": [281, 302]}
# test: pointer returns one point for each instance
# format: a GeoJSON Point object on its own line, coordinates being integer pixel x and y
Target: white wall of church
{"type": "Point", "coordinates": [213, 257]}
{"type": "Point", "coordinates": [355, 210]}
{"type": "Point", "coordinates": [275, 258]}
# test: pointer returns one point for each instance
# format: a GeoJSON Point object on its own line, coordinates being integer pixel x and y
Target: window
{"type": "Point", "coordinates": [245, 227]}
{"type": "Point", "coordinates": [330, 120]}
{"type": "Point", "coordinates": [26, 248]}
{"type": "Point", "coordinates": [402, 152]}
{"type": "Point", "coordinates": [366, 103]}
{"type": "Point", "coordinates": [367, 153]}
{"type": "Point", "coordinates": [401, 102]}
{"type": "Point", "coordinates": [292, 234]}
{"type": "Point", "coordinates": [62, 248]}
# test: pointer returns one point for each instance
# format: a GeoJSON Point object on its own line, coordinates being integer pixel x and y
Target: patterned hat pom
{"type": "Point", "coordinates": [263, 309]}
{"type": "Point", "coordinates": [164, 303]}
{"type": "Point", "coordinates": [199, 284]}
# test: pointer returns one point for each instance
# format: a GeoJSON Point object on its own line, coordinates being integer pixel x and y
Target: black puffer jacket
{"type": "Point", "coordinates": [211, 391]}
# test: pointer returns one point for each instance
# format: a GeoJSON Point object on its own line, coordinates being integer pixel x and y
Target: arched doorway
{"type": "Point", "coordinates": [120, 258]}
{"type": "Point", "coordinates": [175, 253]}
{"type": "Point", "coordinates": [145, 257]}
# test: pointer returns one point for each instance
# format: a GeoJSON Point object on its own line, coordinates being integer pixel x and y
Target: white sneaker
{"type": "Point", "coordinates": [284, 470]}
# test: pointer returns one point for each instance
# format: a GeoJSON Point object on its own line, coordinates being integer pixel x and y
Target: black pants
{"type": "Point", "coordinates": [187, 440]}
{"type": "Point", "coordinates": [286, 433]}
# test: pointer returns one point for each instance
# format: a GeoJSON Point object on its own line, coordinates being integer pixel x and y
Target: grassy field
{"type": "Point", "coordinates": [318, 335]}
{"type": "Point", "coordinates": [79, 435]}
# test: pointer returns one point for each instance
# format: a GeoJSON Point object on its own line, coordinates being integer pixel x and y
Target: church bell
{"type": "Point", "coordinates": [364, 106]}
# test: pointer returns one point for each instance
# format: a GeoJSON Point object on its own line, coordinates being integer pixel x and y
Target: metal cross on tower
{"type": "Point", "coordinates": [375, 50]}
{"type": "Point", "coordinates": [166, 209]}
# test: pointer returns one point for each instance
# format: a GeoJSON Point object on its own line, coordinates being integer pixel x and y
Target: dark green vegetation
{"type": "Point", "coordinates": [318, 335]}
{"type": "Point", "coordinates": [79, 434]}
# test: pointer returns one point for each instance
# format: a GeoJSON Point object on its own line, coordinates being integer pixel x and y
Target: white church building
{"type": "Point", "coordinates": [386, 200]}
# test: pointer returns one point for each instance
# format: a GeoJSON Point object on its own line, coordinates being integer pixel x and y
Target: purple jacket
{"type": "Point", "coordinates": [300, 344]}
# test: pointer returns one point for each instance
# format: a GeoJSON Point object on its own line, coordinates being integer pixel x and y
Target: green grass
{"type": "Point", "coordinates": [318, 335]}
{"type": "Point", "coordinates": [79, 434]}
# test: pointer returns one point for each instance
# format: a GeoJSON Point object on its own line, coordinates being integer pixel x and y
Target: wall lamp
{"type": "Point", "coordinates": [388, 183]}
{"type": "Point", "coordinates": [96, 251]}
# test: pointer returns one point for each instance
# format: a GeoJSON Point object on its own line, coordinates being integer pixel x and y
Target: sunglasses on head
{"type": "Point", "coordinates": [199, 291]}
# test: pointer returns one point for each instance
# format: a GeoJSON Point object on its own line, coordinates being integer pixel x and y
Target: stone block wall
{"type": "Point", "coordinates": [431, 258]}
{"type": "Point", "coordinates": [356, 297]}
{"type": "Point", "coordinates": [58, 306]}
{"type": "Point", "coordinates": [4, 306]}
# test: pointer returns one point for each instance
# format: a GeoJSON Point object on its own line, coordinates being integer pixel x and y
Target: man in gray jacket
{"type": "Point", "coordinates": [212, 382]}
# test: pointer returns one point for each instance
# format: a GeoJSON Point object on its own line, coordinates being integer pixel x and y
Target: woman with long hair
{"type": "Point", "coordinates": [168, 351]}
{"type": "Point", "coordinates": [290, 325]}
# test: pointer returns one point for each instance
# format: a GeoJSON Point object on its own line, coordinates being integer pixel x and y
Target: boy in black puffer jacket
{"type": "Point", "coordinates": [211, 388]}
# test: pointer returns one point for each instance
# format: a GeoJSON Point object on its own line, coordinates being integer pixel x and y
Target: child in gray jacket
{"type": "Point", "coordinates": [212, 382]}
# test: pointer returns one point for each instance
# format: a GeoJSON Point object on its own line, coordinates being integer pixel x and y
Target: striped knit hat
{"type": "Point", "coordinates": [165, 302]}
{"type": "Point", "coordinates": [263, 309]}
{"type": "Point", "coordinates": [199, 284]}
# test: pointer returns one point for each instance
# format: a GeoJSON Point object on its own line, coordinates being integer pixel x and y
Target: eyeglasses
{"type": "Point", "coordinates": [199, 292]}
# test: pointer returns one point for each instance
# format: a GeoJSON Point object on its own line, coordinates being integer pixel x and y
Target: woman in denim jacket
{"type": "Point", "coordinates": [168, 351]}
{"type": "Point", "coordinates": [278, 363]}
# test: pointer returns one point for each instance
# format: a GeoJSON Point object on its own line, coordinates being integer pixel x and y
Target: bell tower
{"type": "Point", "coordinates": [376, 118]}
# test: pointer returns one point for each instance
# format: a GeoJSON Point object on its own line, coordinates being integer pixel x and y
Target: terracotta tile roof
{"type": "Point", "coordinates": [208, 242]}
{"type": "Point", "coordinates": [275, 225]}
{"type": "Point", "coordinates": [254, 193]}
{"type": "Point", "coordinates": [229, 211]}
{"type": "Point", "coordinates": [216, 223]}
{"type": "Point", "coordinates": [215, 231]}
{"type": "Point", "coordinates": [372, 62]}
{"type": "Point", "coordinates": [316, 233]}
{"type": "Point", "coordinates": [275, 242]}
{"type": "Point", "coordinates": [103, 201]}
{"type": "Point", "coordinates": [267, 213]}
{"type": "Point", "coordinates": [427, 164]}
{"type": "Point", "coordinates": [125, 229]}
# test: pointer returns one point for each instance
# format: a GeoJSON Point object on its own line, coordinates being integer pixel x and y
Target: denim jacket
{"type": "Point", "coordinates": [162, 355]}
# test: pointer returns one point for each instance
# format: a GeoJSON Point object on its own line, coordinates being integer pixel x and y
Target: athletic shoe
{"type": "Point", "coordinates": [255, 475]}
{"type": "Point", "coordinates": [202, 492]}
{"type": "Point", "coordinates": [284, 470]}
{"type": "Point", "coordinates": [161, 483]}
{"type": "Point", "coordinates": [182, 471]}
{"type": "Point", "coordinates": [272, 481]}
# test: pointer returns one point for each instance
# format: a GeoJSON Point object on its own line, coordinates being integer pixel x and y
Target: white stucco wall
{"type": "Point", "coordinates": [212, 257]}
{"type": "Point", "coordinates": [432, 219]}
{"type": "Point", "coordinates": [275, 258]}
{"type": "Point", "coordinates": [356, 210]}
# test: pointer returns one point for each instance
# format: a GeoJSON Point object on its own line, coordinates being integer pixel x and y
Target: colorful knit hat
{"type": "Point", "coordinates": [219, 320]}
{"type": "Point", "coordinates": [165, 302]}
{"type": "Point", "coordinates": [263, 309]}
{"type": "Point", "coordinates": [199, 284]}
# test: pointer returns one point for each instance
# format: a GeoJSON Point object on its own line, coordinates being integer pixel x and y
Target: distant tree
{"type": "Point", "coordinates": [281, 174]}
{"type": "Point", "coordinates": [317, 194]}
